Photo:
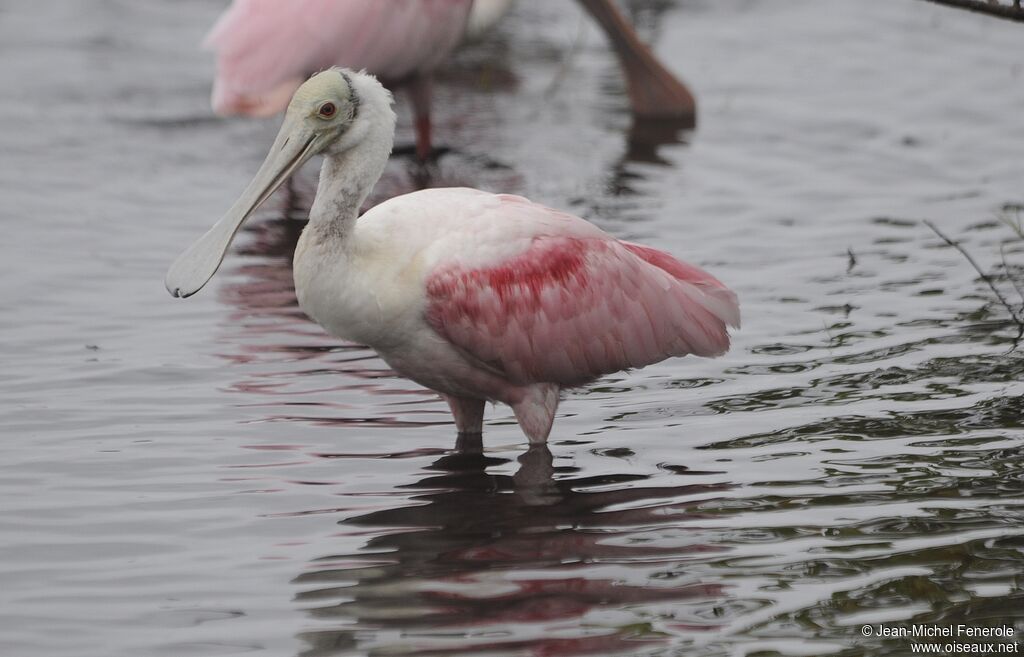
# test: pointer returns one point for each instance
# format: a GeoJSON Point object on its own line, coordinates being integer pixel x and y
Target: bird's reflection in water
{"type": "Point", "coordinates": [647, 136]}
{"type": "Point", "coordinates": [645, 144]}
{"type": "Point", "coordinates": [492, 564]}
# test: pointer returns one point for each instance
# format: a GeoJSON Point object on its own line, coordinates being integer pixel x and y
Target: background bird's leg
{"type": "Point", "coordinates": [653, 91]}
{"type": "Point", "coordinates": [420, 92]}
{"type": "Point", "coordinates": [469, 413]}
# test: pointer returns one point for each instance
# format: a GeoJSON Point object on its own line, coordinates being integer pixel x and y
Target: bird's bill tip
{"type": "Point", "coordinates": [178, 292]}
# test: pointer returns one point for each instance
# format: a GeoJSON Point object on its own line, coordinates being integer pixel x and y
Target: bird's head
{"type": "Point", "coordinates": [332, 113]}
{"type": "Point", "coordinates": [333, 110]}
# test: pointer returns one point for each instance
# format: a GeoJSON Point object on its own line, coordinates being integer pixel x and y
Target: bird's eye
{"type": "Point", "coordinates": [327, 110]}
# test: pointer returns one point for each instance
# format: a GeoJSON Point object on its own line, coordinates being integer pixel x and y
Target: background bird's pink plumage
{"type": "Point", "coordinates": [578, 304]}
{"type": "Point", "coordinates": [266, 48]}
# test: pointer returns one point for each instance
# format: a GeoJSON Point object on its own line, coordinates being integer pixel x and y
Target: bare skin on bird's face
{"type": "Point", "coordinates": [475, 295]}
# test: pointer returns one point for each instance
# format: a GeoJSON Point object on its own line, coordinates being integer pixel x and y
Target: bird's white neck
{"type": "Point", "coordinates": [352, 168]}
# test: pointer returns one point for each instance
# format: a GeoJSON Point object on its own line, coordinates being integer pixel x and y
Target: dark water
{"type": "Point", "coordinates": [218, 477]}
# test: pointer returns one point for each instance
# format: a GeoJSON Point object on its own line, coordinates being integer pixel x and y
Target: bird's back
{"type": "Point", "coordinates": [266, 48]}
{"type": "Point", "coordinates": [540, 294]}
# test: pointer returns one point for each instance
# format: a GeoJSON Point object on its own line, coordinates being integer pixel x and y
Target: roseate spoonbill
{"type": "Point", "coordinates": [477, 296]}
{"type": "Point", "coordinates": [266, 48]}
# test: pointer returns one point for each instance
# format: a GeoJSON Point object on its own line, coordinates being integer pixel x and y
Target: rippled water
{"type": "Point", "coordinates": [218, 477]}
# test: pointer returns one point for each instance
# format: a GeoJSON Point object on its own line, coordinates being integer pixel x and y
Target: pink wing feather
{"type": "Point", "coordinates": [576, 305]}
{"type": "Point", "coordinates": [266, 48]}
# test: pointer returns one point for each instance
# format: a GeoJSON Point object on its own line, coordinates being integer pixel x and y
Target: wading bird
{"type": "Point", "coordinates": [266, 48]}
{"type": "Point", "coordinates": [477, 296]}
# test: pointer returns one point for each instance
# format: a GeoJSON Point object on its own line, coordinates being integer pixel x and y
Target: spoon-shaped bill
{"type": "Point", "coordinates": [193, 268]}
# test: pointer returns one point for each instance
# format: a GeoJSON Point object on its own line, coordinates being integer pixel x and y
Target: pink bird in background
{"type": "Point", "coordinates": [267, 48]}
{"type": "Point", "coordinates": [478, 296]}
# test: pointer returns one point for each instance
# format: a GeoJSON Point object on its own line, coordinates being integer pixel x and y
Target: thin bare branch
{"type": "Point", "coordinates": [985, 277]}
{"type": "Point", "coordinates": [1015, 224]}
{"type": "Point", "coordinates": [1012, 12]}
{"type": "Point", "coordinates": [1013, 281]}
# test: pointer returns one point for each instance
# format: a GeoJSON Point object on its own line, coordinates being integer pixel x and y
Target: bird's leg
{"type": "Point", "coordinates": [469, 413]}
{"type": "Point", "coordinates": [535, 411]}
{"type": "Point", "coordinates": [469, 444]}
{"type": "Point", "coordinates": [653, 91]}
{"type": "Point", "coordinates": [420, 92]}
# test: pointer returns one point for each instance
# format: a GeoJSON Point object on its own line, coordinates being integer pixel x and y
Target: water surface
{"type": "Point", "coordinates": [218, 477]}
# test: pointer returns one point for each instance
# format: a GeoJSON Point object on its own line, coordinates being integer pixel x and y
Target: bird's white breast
{"type": "Point", "coordinates": [368, 297]}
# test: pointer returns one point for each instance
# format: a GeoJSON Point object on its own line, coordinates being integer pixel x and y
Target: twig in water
{"type": "Point", "coordinates": [985, 277]}
{"type": "Point", "coordinates": [1015, 224]}
{"type": "Point", "coordinates": [1013, 281]}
